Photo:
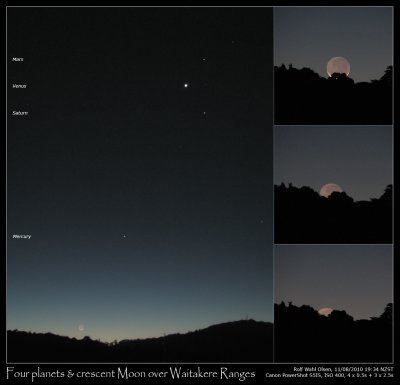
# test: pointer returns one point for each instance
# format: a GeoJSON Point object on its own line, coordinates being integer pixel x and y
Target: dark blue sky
{"type": "Point", "coordinates": [357, 158]}
{"type": "Point", "coordinates": [310, 36]}
{"type": "Point", "coordinates": [354, 278]}
{"type": "Point", "coordinates": [116, 145]}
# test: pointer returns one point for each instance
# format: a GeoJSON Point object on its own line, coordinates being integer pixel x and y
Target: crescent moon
{"type": "Point", "coordinates": [329, 188]}
{"type": "Point", "coordinates": [339, 65]}
{"type": "Point", "coordinates": [325, 311]}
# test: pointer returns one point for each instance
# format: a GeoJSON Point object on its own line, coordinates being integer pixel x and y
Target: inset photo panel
{"type": "Point", "coordinates": [333, 184]}
{"type": "Point", "coordinates": [333, 303]}
{"type": "Point", "coordinates": [333, 65]}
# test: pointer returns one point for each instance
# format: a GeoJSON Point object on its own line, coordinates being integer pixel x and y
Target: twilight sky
{"type": "Point", "coordinates": [310, 36]}
{"type": "Point", "coordinates": [354, 278]}
{"type": "Point", "coordinates": [149, 203]}
{"type": "Point", "coordinates": [357, 158]}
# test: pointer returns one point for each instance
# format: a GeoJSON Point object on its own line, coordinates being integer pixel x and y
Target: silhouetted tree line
{"type": "Point", "coordinates": [303, 216]}
{"type": "Point", "coordinates": [303, 335]}
{"type": "Point", "coordinates": [304, 97]}
{"type": "Point", "coordinates": [240, 341]}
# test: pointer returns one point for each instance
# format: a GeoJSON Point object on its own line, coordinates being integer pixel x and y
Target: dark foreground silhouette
{"type": "Point", "coordinates": [303, 335]}
{"type": "Point", "coordinates": [304, 97]}
{"type": "Point", "coordinates": [240, 341]}
{"type": "Point", "coordinates": [303, 216]}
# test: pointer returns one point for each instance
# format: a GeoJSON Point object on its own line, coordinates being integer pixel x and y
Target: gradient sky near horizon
{"type": "Point", "coordinates": [149, 202]}
{"type": "Point", "coordinates": [354, 278]}
{"type": "Point", "coordinates": [357, 158]}
{"type": "Point", "coordinates": [310, 36]}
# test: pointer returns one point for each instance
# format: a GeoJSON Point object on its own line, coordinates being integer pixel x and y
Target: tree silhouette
{"type": "Point", "coordinates": [303, 216]}
{"type": "Point", "coordinates": [387, 315]}
{"type": "Point", "coordinates": [303, 335]}
{"type": "Point", "coordinates": [304, 97]}
{"type": "Point", "coordinates": [340, 317]}
{"type": "Point", "coordinates": [387, 195]}
{"type": "Point", "coordinates": [387, 77]}
{"type": "Point", "coordinates": [240, 341]}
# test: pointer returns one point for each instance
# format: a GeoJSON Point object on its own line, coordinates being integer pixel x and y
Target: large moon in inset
{"type": "Point", "coordinates": [329, 188]}
{"type": "Point", "coordinates": [81, 328]}
{"type": "Point", "coordinates": [325, 311]}
{"type": "Point", "coordinates": [339, 65]}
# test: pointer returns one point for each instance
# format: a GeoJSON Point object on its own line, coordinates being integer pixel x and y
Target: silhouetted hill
{"type": "Point", "coordinates": [240, 341]}
{"type": "Point", "coordinates": [303, 216]}
{"type": "Point", "coordinates": [304, 97]}
{"type": "Point", "coordinates": [303, 335]}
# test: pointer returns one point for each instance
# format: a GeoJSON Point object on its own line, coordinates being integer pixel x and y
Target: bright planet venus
{"type": "Point", "coordinates": [338, 65]}
{"type": "Point", "coordinates": [329, 188]}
